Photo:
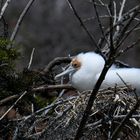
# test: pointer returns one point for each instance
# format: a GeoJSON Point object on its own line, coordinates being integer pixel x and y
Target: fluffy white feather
{"type": "Point", "coordinates": [86, 75]}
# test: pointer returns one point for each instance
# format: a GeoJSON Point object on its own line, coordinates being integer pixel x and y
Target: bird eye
{"type": "Point", "coordinates": [75, 65]}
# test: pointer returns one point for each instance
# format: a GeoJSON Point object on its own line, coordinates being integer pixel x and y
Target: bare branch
{"type": "Point", "coordinates": [56, 61]}
{"type": "Point", "coordinates": [4, 8]}
{"type": "Point", "coordinates": [21, 17]}
{"type": "Point", "coordinates": [120, 13]}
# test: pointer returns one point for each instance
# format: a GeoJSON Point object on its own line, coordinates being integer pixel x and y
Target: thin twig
{"type": "Point", "coordinates": [13, 105]}
{"type": "Point", "coordinates": [4, 8]}
{"type": "Point", "coordinates": [52, 87]}
{"type": "Point", "coordinates": [7, 99]}
{"type": "Point", "coordinates": [120, 13]}
{"type": "Point", "coordinates": [31, 58]}
{"type": "Point", "coordinates": [115, 13]}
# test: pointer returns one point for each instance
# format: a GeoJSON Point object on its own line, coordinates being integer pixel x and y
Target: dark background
{"type": "Point", "coordinates": [51, 28]}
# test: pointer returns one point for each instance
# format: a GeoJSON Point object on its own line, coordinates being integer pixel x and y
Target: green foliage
{"type": "Point", "coordinates": [11, 82]}
{"type": "Point", "coordinates": [41, 101]}
{"type": "Point", "coordinates": [7, 66]}
{"type": "Point", "coordinates": [7, 57]}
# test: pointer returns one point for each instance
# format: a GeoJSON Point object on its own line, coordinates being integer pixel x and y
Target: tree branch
{"type": "Point", "coordinates": [4, 8]}
{"type": "Point", "coordinates": [16, 29]}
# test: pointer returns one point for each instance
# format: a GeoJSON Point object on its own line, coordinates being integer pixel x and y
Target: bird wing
{"type": "Point", "coordinates": [121, 76]}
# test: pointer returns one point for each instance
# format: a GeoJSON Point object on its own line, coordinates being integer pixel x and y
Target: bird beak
{"type": "Point", "coordinates": [69, 70]}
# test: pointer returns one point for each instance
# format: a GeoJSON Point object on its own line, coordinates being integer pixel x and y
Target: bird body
{"type": "Point", "coordinates": [122, 76]}
{"type": "Point", "coordinates": [85, 69]}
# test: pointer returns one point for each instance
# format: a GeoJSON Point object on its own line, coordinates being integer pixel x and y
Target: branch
{"type": "Point", "coordinates": [56, 61]}
{"type": "Point", "coordinates": [31, 58]}
{"type": "Point", "coordinates": [7, 99]}
{"type": "Point", "coordinates": [120, 13]}
{"type": "Point", "coordinates": [16, 29]}
{"type": "Point", "coordinates": [4, 8]}
{"type": "Point", "coordinates": [51, 87]}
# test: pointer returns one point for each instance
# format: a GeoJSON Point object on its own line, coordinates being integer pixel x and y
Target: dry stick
{"type": "Point", "coordinates": [20, 20]}
{"type": "Point", "coordinates": [84, 27]}
{"type": "Point", "coordinates": [93, 97]}
{"type": "Point", "coordinates": [54, 87]}
{"type": "Point", "coordinates": [13, 105]}
{"type": "Point", "coordinates": [31, 58]}
{"type": "Point", "coordinates": [120, 13]}
{"type": "Point", "coordinates": [115, 13]}
{"type": "Point", "coordinates": [4, 8]}
{"type": "Point", "coordinates": [7, 99]}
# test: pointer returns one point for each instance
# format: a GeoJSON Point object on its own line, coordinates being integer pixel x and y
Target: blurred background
{"type": "Point", "coordinates": [52, 29]}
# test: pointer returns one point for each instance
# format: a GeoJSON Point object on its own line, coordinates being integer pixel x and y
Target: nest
{"type": "Point", "coordinates": [60, 119]}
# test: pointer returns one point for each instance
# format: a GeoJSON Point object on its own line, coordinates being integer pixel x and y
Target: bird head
{"type": "Point", "coordinates": [73, 67]}
{"type": "Point", "coordinates": [84, 62]}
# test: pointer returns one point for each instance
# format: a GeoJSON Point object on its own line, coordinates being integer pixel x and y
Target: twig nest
{"type": "Point", "coordinates": [62, 118]}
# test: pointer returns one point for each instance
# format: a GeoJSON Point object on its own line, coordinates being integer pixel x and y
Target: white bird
{"type": "Point", "coordinates": [85, 69]}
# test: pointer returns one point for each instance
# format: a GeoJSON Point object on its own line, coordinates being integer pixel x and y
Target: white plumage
{"type": "Point", "coordinates": [86, 68]}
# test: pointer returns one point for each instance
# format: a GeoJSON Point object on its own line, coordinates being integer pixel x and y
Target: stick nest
{"type": "Point", "coordinates": [61, 119]}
